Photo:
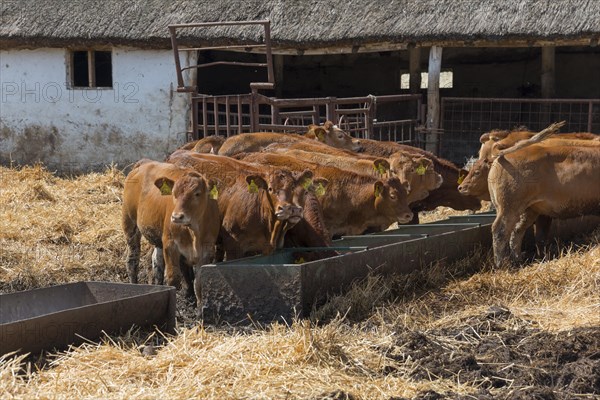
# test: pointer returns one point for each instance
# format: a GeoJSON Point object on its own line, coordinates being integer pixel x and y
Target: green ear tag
{"type": "Point", "coordinates": [421, 169]}
{"type": "Point", "coordinates": [380, 169]}
{"type": "Point", "coordinates": [320, 190]}
{"type": "Point", "coordinates": [306, 184]}
{"type": "Point", "coordinates": [214, 193]}
{"type": "Point", "coordinates": [252, 187]}
{"type": "Point", "coordinates": [299, 260]}
{"type": "Point", "coordinates": [165, 189]}
{"type": "Point", "coordinates": [377, 191]}
{"type": "Point", "coordinates": [461, 178]}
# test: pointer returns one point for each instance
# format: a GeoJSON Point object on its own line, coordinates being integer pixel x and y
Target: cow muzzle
{"type": "Point", "coordinates": [180, 219]}
{"type": "Point", "coordinates": [288, 211]}
{"type": "Point", "coordinates": [405, 218]}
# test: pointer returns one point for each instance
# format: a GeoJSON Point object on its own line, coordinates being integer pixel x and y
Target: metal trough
{"type": "Point", "coordinates": [57, 316]}
{"type": "Point", "coordinates": [265, 288]}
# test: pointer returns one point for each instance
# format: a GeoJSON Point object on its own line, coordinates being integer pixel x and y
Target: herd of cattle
{"type": "Point", "coordinates": [224, 198]}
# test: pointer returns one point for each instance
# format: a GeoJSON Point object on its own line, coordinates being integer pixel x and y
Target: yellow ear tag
{"type": "Point", "coordinates": [300, 261]}
{"type": "Point", "coordinates": [252, 187]}
{"type": "Point", "coordinates": [320, 190]}
{"type": "Point", "coordinates": [165, 189]}
{"type": "Point", "coordinates": [377, 191]}
{"type": "Point", "coordinates": [421, 169]}
{"type": "Point", "coordinates": [380, 169]}
{"type": "Point", "coordinates": [214, 193]}
{"type": "Point", "coordinates": [307, 183]}
{"type": "Point", "coordinates": [461, 178]}
{"type": "Point", "coordinates": [321, 137]}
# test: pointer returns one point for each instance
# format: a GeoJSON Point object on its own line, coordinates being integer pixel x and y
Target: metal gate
{"type": "Point", "coordinates": [465, 119]}
{"type": "Point", "coordinates": [393, 117]}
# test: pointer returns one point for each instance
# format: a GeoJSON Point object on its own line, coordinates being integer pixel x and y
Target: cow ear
{"type": "Point", "coordinates": [319, 186]}
{"type": "Point", "coordinates": [484, 138]}
{"type": "Point", "coordinates": [381, 165]}
{"type": "Point", "coordinates": [213, 188]}
{"type": "Point", "coordinates": [320, 133]}
{"type": "Point", "coordinates": [378, 188]}
{"type": "Point", "coordinates": [255, 182]}
{"type": "Point", "coordinates": [328, 125]}
{"type": "Point", "coordinates": [165, 185]}
{"type": "Point", "coordinates": [306, 174]}
{"type": "Point", "coordinates": [311, 131]}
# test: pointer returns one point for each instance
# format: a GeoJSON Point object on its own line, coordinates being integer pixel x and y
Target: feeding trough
{"type": "Point", "coordinates": [57, 316]}
{"type": "Point", "coordinates": [281, 285]}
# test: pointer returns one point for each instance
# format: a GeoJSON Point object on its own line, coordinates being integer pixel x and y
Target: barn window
{"type": "Point", "coordinates": [446, 80]}
{"type": "Point", "coordinates": [91, 68]}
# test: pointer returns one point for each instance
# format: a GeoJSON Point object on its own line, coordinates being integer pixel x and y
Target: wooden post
{"type": "Point", "coordinates": [433, 99]}
{"type": "Point", "coordinates": [548, 62]}
{"type": "Point", "coordinates": [278, 66]}
{"type": "Point", "coordinates": [414, 69]}
{"type": "Point", "coordinates": [547, 80]}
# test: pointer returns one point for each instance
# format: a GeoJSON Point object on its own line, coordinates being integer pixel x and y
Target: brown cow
{"type": "Point", "coordinates": [171, 207]}
{"type": "Point", "coordinates": [352, 203]}
{"type": "Point", "coordinates": [209, 144]}
{"type": "Point", "coordinates": [446, 195]}
{"type": "Point", "coordinates": [256, 205]}
{"type": "Point", "coordinates": [328, 134]}
{"type": "Point", "coordinates": [416, 171]}
{"type": "Point", "coordinates": [501, 139]}
{"type": "Point", "coordinates": [558, 180]}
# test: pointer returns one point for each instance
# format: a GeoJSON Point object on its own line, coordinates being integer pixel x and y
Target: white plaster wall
{"type": "Point", "coordinates": [42, 119]}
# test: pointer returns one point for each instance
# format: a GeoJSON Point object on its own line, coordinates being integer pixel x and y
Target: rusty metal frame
{"type": "Point", "coordinates": [266, 24]}
{"type": "Point", "coordinates": [223, 115]}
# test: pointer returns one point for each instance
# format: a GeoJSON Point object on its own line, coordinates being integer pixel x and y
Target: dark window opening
{"type": "Point", "coordinates": [91, 69]}
{"type": "Point", "coordinates": [80, 69]}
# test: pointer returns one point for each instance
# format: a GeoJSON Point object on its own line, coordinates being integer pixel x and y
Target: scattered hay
{"type": "Point", "coordinates": [460, 330]}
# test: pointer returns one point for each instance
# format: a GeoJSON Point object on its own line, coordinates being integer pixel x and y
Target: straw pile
{"type": "Point", "coordinates": [417, 336]}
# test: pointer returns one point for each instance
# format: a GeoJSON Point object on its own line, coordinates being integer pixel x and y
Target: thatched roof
{"type": "Point", "coordinates": [302, 24]}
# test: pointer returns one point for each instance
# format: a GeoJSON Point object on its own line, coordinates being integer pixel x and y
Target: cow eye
{"type": "Point", "coordinates": [270, 189]}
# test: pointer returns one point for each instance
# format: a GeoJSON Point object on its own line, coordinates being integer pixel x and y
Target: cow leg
{"type": "Point", "coordinates": [134, 237]}
{"type": "Point", "coordinates": [207, 257]}
{"type": "Point", "coordinates": [542, 233]}
{"type": "Point", "coordinates": [502, 229]}
{"type": "Point", "coordinates": [158, 266]}
{"type": "Point", "coordinates": [188, 276]}
{"type": "Point", "coordinates": [172, 268]}
{"type": "Point", "coordinates": [516, 240]}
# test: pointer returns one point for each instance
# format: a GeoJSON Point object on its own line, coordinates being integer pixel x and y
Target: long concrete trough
{"type": "Point", "coordinates": [281, 286]}
{"type": "Point", "coordinates": [267, 288]}
{"type": "Point", "coordinates": [54, 317]}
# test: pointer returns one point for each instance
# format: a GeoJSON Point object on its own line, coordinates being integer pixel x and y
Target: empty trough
{"type": "Point", "coordinates": [54, 317]}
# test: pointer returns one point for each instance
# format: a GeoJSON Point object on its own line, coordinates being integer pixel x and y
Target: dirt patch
{"type": "Point", "coordinates": [504, 356]}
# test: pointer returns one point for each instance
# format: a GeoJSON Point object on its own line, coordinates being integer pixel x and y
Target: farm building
{"type": "Point", "coordinates": [96, 82]}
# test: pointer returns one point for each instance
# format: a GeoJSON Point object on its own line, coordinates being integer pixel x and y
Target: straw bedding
{"type": "Point", "coordinates": [461, 330]}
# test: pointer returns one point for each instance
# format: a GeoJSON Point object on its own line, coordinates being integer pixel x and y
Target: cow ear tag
{"type": "Point", "coordinates": [421, 169]}
{"type": "Point", "coordinates": [252, 187]}
{"type": "Point", "coordinates": [214, 193]}
{"type": "Point", "coordinates": [307, 183]}
{"type": "Point", "coordinates": [461, 178]}
{"type": "Point", "coordinates": [165, 189]}
{"type": "Point", "coordinates": [320, 190]}
{"type": "Point", "coordinates": [377, 191]}
{"type": "Point", "coordinates": [381, 170]}
{"type": "Point", "coordinates": [299, 261]}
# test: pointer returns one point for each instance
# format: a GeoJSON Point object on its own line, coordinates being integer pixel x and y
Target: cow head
{"type": "Point", "coordinates": [190, 192]}
{"type": "Point", "coordinates": [333, 136]}
{"type": "Point", "coordinates": [418, 172]}
{"type": "Point", "coordinates": [391, 200]}
{"type": "Point", "coordinates": [475, 183]}
{"type": "Point", "coordinates": [286, 192]}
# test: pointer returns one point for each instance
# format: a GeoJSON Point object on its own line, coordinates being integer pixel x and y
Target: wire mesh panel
{"type": "Point", "coordinates": [465, 119]}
